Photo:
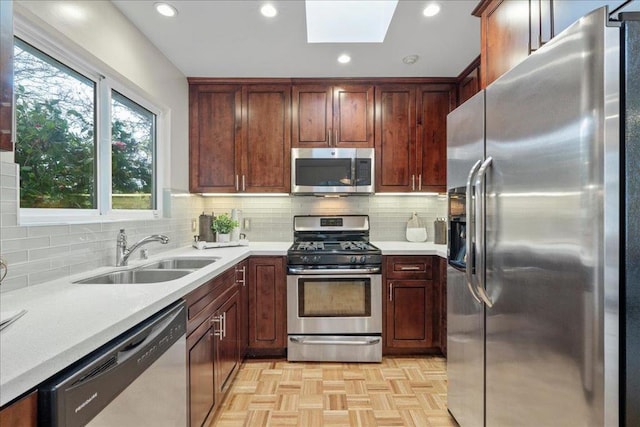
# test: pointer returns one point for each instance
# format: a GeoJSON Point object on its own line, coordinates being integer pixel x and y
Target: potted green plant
{"type": "Point", "coordinates": [223, 225]}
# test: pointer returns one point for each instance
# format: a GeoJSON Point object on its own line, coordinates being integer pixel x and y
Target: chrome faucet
{"type": "Point", "coordinates": [123, 253]}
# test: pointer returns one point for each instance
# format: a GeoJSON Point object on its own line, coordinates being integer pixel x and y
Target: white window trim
{"type": "Point", "coordinates": [73, 56]}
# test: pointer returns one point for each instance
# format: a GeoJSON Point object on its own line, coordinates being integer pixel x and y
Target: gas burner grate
{"type": "Point", "coordinates": [354, 246]}
{"type": "Point", "coordinates": [311, 246]}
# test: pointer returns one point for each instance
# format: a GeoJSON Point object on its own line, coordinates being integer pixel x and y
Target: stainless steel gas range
{"type": "Point", "coordinates": [334, 291]}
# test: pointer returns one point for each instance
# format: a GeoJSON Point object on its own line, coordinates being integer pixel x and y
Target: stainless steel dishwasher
{"type": "Point", "coordinates": [137, 379]}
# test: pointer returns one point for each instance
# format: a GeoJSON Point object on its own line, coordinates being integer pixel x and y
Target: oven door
{"type": "Point", "coordinates": [334, 304]}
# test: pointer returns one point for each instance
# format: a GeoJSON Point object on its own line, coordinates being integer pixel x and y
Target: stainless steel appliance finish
{"type": "Point", "coordinates": [138, 379]}
{"type": "Point", "coordinates": [334, 291]}
{"type": "Point", "coordinates": [533, 307]}
{"type": "Point", "coordinates": [332, 170]}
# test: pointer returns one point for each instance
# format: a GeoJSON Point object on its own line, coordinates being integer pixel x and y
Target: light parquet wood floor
{"type": "Point", "coordinates": [400, 391]}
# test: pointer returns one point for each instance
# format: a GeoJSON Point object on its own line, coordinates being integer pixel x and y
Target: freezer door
{"type": "Point", "coordinates": [465, 313]}
{"type": "Point", "coordinates": [545, 239]}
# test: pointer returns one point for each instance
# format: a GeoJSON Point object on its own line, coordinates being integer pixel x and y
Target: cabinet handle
{"type": "Point", "coordinates": [237, 184]}
{"type": "Point", "coordinates": [410, 268]}
{"type": "Point", "coordinates": [224, 324]}
{"type": "Point", "coordinates": [217, 319]}
{"type": "Point", "coordinates": [420, 182]}
{"type": "Point", "coordinates": [413, 183]}
{"type": "Point", "coordinates": [391, 291]}
{"type": "Point", "coordinates": [243, 186]}
{"type": "Point", "coordinates": [243, 270]}
{"type": "Point", "coordinates": [335, 138]}
{"type": "Point", "coordinates": [329, 137]}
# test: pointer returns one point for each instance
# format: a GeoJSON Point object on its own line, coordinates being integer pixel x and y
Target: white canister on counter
{"type": "Point", "coordinates": [416, 231]}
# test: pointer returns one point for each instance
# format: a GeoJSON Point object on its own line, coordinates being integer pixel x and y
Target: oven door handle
{"type": "Point", "coordinates": [364, 270]}
{"type": "Point", "coordinates": [312, 341]}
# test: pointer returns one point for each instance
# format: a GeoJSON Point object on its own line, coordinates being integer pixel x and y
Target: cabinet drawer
{"type": "Point", "coordinates": [409, 267]}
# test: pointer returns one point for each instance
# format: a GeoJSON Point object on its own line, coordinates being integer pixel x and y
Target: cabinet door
{"type": "Point", "coordinates": [353, 116]}
{"type": "Point", "coordinates": [410, 313]}
{"type": "Point", "coordinates": [469, 82]}
{"type": "Point", "coordinates": [242, 281]}
{"type": "Point", "coordinates": [395, 138]}
{"type": "Point", "coordinates": [23, 413]}
{"type": "Point", "coordinates": [267, 305]}
{"type": "Point", "coordinates": [227, 343]}
{"type": "Point", "coordinates": [266, 154]}
{"type": "Point", "coordinates": [201, 385]}
{"type": "Point", "coordinates": [6, 75]}
{"type": "Point", "coordinates": [312, 116]}
{"type": "Point", "coordinates": [505, 37]}
{"type": "Point", "coordinates": [434, 103]}
{"type": "Point", "coordinates": [214, 137]}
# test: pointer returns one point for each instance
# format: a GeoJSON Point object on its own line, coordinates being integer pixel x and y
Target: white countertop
{"type": "Point", "coordinates": [66, 321]}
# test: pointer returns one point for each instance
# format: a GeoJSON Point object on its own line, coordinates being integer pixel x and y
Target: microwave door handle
{"type": "Point", "coordinates": [471, 231]}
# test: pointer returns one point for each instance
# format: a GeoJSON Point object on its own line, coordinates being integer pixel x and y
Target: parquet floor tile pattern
{"type": "Point", "coordinates": [400, 391]}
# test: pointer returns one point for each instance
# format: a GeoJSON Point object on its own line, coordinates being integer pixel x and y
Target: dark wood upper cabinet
{"type": "Point", "coordinates": [266, 128]}
{"type": "Point", "coordinates": [434, 103]}
{"type": "Point", "coordinates": [411, 138]}
{"type": "Point", "coordinates": [326, 115]}
{"type": "Point", "coordinates": [240, 138]}
{"type": "Point", "coordinates": [6, 75]}
{"type": "Point", "coordinates": [215, 137]}
{"type": "Point", "coordinates": [469, 81]}
{"type": "Point", "coordinates": [395, 137]}
{"type": "Point", "coordinates": [510, 30]}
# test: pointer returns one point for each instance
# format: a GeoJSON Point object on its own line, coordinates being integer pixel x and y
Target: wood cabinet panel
{"type": "Point", "coordinates": [410, 315]}
{"type": "Point", "coordinates": [267, 305]}
{"type": "Point", "coordinates": [227, 343]}
{"type": "Point", "coordinates": [412, 306]}
{"type": "Point", "coordinates": [332, 115]}
{"type": "Point", "coordinates": [353, 115]}
{"type": "Point", "coordinates": [215, 138]}
{"type": "Point", "coordinates": [434, 104]}
{"type": "Point", "coordinates": [21, 413]}
{"type": "Point", "coordinates": [6, 75]}
{"type": "Point", "coordinates": [266, 149]}
{"type": "Point", "coordinates": [395, 137]}
{"type": "Point", "coordinates": [312, 115]}
{"type": "Point", "coordinates": [242, 281]}
{"type": "Point", "coordinates": [200, 358]}
{"type": "Point", "coordinates": [469, 81]}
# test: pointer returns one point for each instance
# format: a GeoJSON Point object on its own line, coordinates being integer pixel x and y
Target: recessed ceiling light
{"type": "Point", "coordinates": [410, 59]}
{"type": "Point", "coordinates": [431, 10]}
{"type": "Point", "coordinates": [344, 58]}
{"type": "Point", "coordinates": [268, 10]}
{"type": "Point", "coordinates": [165, 9]}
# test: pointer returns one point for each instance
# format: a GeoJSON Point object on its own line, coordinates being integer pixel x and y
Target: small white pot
{"type": "Point", "coordinates": [223, 238]}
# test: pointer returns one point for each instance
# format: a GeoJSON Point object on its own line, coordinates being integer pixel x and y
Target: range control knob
{"type": "Point", "coordinates": [316, 259]}
{"type": "Point", "coordinates": [304, 258]}
{"type": "Point", "coordinates": [352, 260]}
{"type": "Point", "coordinates": [363, 259]}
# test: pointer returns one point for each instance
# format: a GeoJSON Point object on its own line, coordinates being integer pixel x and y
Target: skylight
{"type": "Point", "coordinates": [339, 21]}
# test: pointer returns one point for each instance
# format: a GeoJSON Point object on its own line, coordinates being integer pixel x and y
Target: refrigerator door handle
{"type": "Point", "coordinates": [471, 231]}
{"type": "Point", "coordinates": [480, 230]}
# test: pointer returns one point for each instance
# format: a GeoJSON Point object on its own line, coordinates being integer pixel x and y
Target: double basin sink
{"type": "Point", "coordinates": [159, 271]}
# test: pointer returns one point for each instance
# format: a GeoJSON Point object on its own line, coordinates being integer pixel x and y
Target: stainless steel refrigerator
{"type": "Point", "coordinates": [543, 282]}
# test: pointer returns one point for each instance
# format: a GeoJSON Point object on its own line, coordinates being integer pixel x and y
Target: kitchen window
{"type": "Point", "coordinates": [85, 144]}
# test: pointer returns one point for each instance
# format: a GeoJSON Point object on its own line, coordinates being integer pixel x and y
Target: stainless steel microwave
{"type": "Point", "coordinates": [332, 170]}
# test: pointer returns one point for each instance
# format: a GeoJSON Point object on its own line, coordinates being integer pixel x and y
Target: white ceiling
{"type": "Point", "coordinates": [232, 39]}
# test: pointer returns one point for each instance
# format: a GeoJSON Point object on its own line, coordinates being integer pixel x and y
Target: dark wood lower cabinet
{"type": "Point", "coordinates": [227, 343]}
{"type": "Point", "coordinates": [21, 413]}
{"type": "Point", "coordinates": [267, 306]}
{"type": "Point", "coordinates": [412, 305]}
{"type": "Point", "coordinates": [201, 367]}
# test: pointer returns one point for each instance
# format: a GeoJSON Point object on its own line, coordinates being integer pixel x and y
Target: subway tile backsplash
{"type": "Point", "coordinates": [40, 253]}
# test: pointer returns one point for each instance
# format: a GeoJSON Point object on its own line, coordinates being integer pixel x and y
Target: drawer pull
{"type": "Point", "coordinates": [410, 268]}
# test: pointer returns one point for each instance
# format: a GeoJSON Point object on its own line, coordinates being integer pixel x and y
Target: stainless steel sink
{"type": "Point", "coordinates": [135, 276]}
{"type": "Point", "coordinates": [179, 264]}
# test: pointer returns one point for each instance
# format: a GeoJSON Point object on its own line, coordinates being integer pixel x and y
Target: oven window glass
{"type": "Point", "coordinates": [323, 172]}
{"type": "Point", "coordinates": [341, 297]}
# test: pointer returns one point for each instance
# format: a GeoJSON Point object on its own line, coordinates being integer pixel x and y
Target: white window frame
{"type": "Point", "coordinates": [106, 81]}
